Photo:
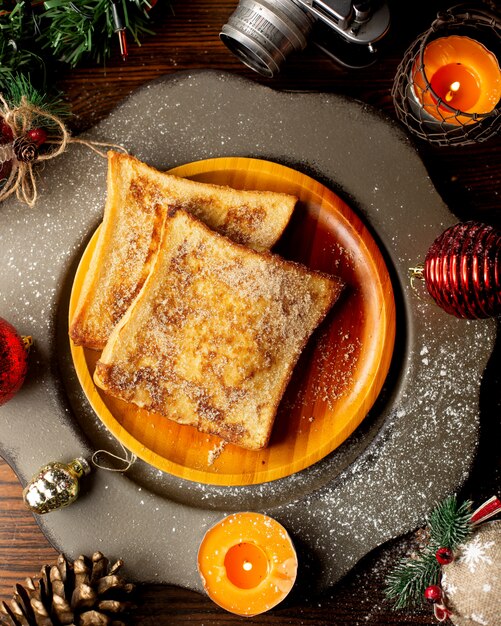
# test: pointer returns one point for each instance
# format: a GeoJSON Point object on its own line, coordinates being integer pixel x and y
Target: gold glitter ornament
{"type": "Point", "coordinates": [55, 485]}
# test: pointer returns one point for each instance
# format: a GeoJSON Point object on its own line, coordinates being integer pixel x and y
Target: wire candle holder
{"type": "Point", "coordinates": [431, 115]}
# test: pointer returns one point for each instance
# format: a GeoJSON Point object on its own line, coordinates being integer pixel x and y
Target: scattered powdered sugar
{"type": "Point", "coordinates": [335, 380]}
{"type": "Point", "coordinates": [380, 483]}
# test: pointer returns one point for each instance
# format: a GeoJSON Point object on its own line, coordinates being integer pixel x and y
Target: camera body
{"type": "Point", "coordinates": [262, 33]}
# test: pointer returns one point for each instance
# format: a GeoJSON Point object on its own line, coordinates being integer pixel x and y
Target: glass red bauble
{"type": "Point", "coordinates": [13, 361]}
{"type": "Point", "coordinates": [6, 136]}
{"type": "Point", "coordinates": [462, 270]}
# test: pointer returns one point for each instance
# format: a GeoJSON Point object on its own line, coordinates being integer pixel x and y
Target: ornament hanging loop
{"type": "Point", "coordinates": [128, 459]}
{"type": "Point", "coordinates": [416, 278]}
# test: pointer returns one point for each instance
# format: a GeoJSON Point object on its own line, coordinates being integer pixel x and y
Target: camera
{"type": "Point", "coordinates": [262, 33]}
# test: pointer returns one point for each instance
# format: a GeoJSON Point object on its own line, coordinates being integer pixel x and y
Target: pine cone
{"type": "Point", "coordinates": [25, 149]}
{"type": "Point", "coordinates": [85, 593]}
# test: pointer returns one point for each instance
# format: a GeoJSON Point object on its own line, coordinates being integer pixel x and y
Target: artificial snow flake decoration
{"type": "Point", "coordinates": [475, 553]}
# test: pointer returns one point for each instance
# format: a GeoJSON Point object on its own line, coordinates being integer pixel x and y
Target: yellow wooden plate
{"type": "Point", "coordinates": [339, 374]}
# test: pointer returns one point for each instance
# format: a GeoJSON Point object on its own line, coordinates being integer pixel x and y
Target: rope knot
{"type": "Point", "coordinates": [23, 133]}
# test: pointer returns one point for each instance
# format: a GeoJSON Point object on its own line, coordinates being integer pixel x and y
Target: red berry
{"type": "Point", "coordinates": [444, 556]}
{"type": "Point", "coordinates": [13, 361]}
{"type": "Point", "coordinates": [433, 593]}
{"type": "Point", "coordinates": [37, 135]}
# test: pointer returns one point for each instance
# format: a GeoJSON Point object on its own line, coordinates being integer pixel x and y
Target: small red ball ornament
{"type": "Point", "coordinates": [37, 135]}
{"type": "Point", "coordinates": [6, 135]}
{"type": "Point", "coordinates": [462, 270]}
{"type": "Point", "coordinates": [444, 556]}
{"type": "Point", "coordinates": [13, 360]}
{"type": "Point", "coordinates": [433, 594]}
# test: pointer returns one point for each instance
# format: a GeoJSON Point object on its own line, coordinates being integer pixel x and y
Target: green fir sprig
{"type": "Point", "coordinates": [18, 50]}
{"type": "Point", "coordinates": [37, 36]}
{"type": "Point", "coordinates": [448, 526]}
{"type": "Point", "coordinates": [83, 29]}
{"type": "Point", "coordinates": [20, 86]}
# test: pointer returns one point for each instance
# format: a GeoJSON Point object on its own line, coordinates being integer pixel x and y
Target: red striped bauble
{"type": "Point", "coordinates": [462, 270]}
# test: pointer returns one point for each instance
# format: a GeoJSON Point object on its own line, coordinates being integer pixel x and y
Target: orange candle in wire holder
{"type": "Point", "coordinates": [456, 75]}
{"type": "Point", "coordinates": [247, 563]}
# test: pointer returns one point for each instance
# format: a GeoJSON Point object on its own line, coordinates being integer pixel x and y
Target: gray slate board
{"type": "Point", "coordinates": [416, 446]}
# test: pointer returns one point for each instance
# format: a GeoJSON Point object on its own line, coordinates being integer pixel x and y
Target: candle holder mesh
{"type": "Point", "coordinates": [456, 127]}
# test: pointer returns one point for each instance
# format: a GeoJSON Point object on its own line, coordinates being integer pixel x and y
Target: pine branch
{"type": "Point", "coordinates": [36, 37]}
{"type": "Point", "coordinates": [83, 29]}
{"type": "Point", "coordinates": [20, 86]}
{"type": "Point", "coordinates": [449, 525]}
{"type": "Point", "coordinates": [406, 583]}
{"type": "Point", "coordinates": [17, 44]}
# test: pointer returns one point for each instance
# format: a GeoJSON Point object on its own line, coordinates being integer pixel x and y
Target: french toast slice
{"type": "Point", "coordinates": [138, 199]}
{"type": "Point", "coordinates": [213, 336]}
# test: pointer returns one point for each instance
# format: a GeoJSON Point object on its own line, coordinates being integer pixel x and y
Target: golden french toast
{"type": "Point", "coordinates": [138, 200]}
{"type": "Point", "coordinates": [213, 336]}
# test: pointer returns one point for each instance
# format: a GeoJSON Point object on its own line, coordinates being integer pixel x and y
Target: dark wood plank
{"type": "Point", "coordinates": [358, 599]}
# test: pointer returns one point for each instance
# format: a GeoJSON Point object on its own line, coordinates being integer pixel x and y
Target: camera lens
{"type": "Point", "coordinates": [262, 33]}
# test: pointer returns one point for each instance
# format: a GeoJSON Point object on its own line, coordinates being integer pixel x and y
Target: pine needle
{"type": "Point", "coordinates": [20, 86]}
{"type": "Point", "coordinates": [448, 526]}
{"type": "Point", "coordinates": [32, 39]}
{"type": "Point", "coordinates": [83, 29]}
{"type": "Point", "coordinates": [406, 583]}
{"type": "Point", "coordinates": [449, 523]}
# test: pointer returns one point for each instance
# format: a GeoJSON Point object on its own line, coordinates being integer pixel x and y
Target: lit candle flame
{"type": "Point", "coordinates": [247, 565]}
{"type": "Point", "coordinates": [452, 91]}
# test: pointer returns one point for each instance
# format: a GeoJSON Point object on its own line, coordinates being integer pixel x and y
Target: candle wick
{"type": "Point", "coordinates": [452, 91]}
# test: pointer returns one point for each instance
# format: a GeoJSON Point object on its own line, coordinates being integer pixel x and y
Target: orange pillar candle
{"type": "Point", "coordinates": [464, 76]}
{"type": "Point", "coordinates": [247, 563]}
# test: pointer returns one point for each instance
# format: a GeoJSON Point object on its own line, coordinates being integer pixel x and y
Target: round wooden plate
{"type": "Point", "coordinates": [338, 376]}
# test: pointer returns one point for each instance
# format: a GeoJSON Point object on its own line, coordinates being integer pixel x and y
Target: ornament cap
{"type": "Point", "coordinates": [27, 342]}
{"type": "Point", "coordinates": [80, 466]}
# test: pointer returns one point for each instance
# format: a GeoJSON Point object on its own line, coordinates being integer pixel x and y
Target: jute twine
{"type": "Point", "coordinates": [21, 178]}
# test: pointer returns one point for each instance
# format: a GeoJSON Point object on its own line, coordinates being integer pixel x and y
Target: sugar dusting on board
{"type": "Point", "coordinates": [373, 488]}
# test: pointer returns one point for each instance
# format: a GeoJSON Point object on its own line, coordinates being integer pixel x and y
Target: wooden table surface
{"type": "Point", "coordinates": [469, 180]}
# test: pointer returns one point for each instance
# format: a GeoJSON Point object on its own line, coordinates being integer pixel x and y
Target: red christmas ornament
{"type": "Point", "coordinates": [37, 135]}
{"type": "Point", "coordinates": [13, 360]}
{"type": "Point", "coordinates": [433, 593]}
{"type": "Point", "coordinates": [444, 556]}
{"type": "Point", "coordinates": [6, 134]}
{"type": "Point", "coordinates": [462, 270]}
{"type": "Point", "coordinates": [6, 137]}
